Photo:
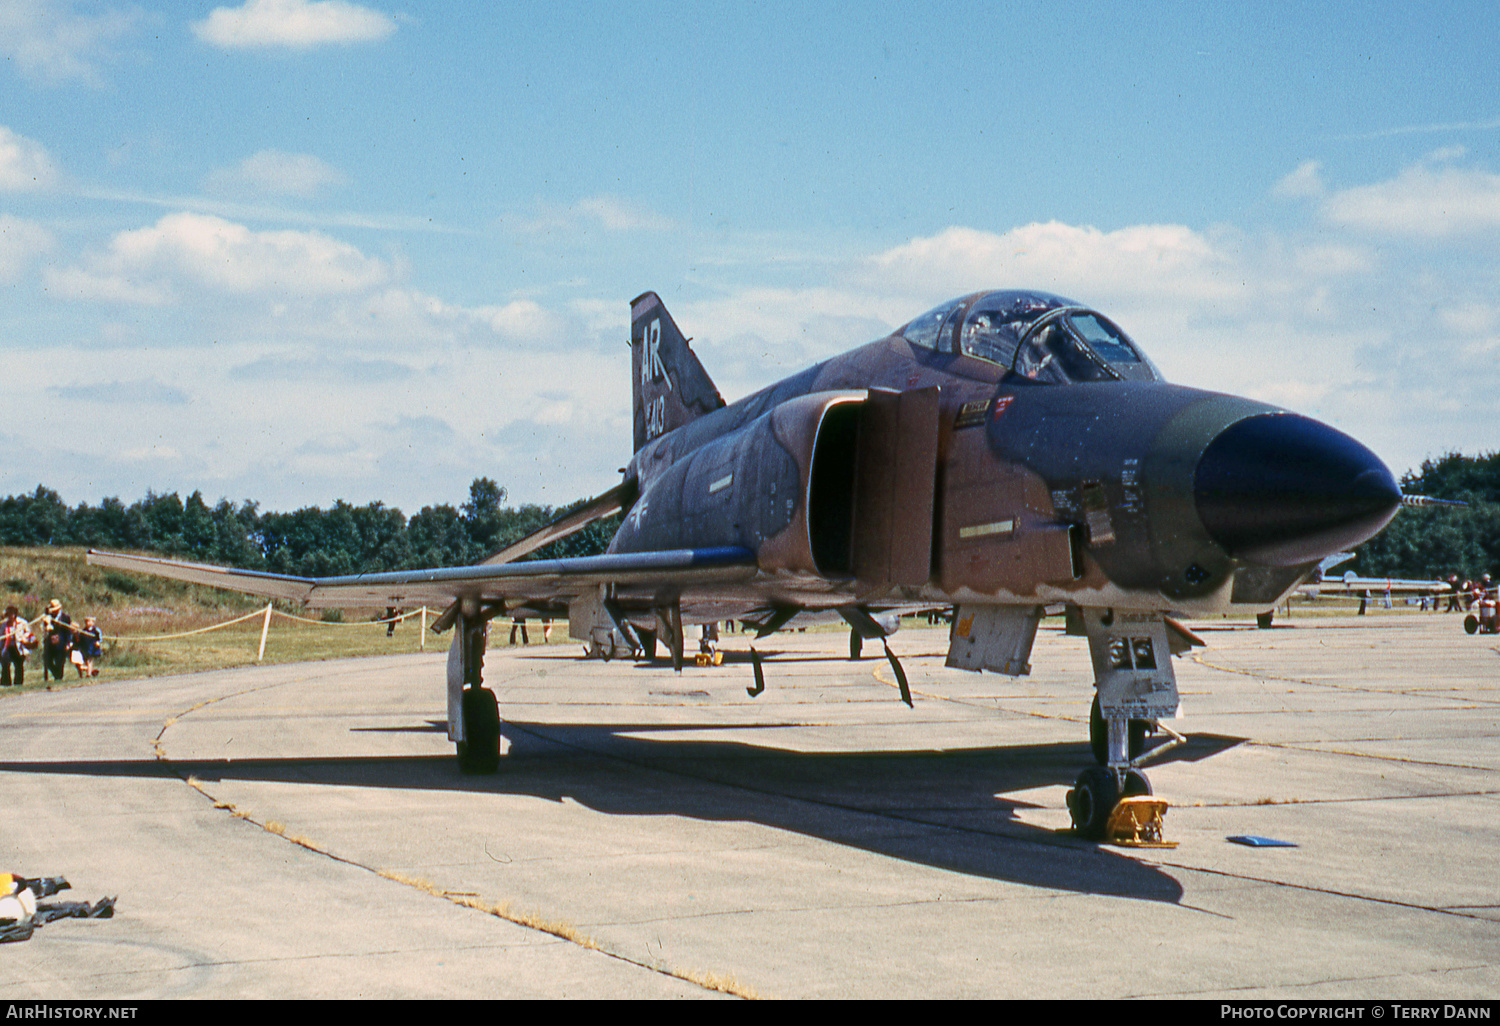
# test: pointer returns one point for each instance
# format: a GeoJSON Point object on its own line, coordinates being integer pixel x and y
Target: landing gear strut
{"type": "Point", "coordinates": [1135, 689]}
{"type": "Point", "coordinates": [1099, 735]}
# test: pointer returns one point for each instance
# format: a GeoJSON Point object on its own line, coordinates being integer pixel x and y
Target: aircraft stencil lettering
{"type": "Point", "coordinates": [1005, 455]}
{"type": "Point", "coordinates": [651, 368]}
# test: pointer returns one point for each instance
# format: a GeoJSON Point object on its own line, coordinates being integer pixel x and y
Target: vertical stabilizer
{"type": "Point", "coordinates": [670, 386]}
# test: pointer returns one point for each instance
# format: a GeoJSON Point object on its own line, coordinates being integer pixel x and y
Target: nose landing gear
{"type": "Point", "coordinates": [1136, 689]}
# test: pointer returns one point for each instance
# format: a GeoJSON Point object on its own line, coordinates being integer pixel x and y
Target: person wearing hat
{"type": "Point", "coordinates": [57, 639]}
{"type": "Point", "coordinates": [16, 641]}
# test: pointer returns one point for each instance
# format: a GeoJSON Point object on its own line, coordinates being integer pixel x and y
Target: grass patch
{"type": "Point", "coordinates": [129, 655]}
{"type": "Point", "coordinates": [136, 612]}
{"type": "Point", "coordinates": [118, 582]}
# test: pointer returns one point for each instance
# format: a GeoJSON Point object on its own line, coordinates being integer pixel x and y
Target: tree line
{"type": "Point", "coordinates": [1431, 541]}
{"type": "Point", "coordinates": [311, 542]}
{"type": "Point", "coordinates": [1423, 542]}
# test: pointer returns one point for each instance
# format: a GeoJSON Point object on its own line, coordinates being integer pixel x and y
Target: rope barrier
{"type": "Point", "coordinates": [266, 614]}
{"type": "Point", "coordinates": [339, 623]}
{"type": "Point", "coordinates": [250, 616]}
{"type": "Point", "coordinates": [183, 634]}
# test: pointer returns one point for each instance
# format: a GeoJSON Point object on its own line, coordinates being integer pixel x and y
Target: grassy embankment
{"type": "Point", "coordinates": [132, 608]}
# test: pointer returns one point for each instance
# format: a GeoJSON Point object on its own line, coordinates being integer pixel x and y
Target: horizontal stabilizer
{"type": "Point", "coordinates": [606, 505]}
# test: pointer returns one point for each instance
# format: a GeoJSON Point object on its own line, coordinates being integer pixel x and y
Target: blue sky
{"type": "Point", "coordinates": [299, 251]}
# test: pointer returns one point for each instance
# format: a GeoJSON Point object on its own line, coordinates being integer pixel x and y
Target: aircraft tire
{"type": "Point", "coordinates": [1471, 624]}
{"type": "Point", "coordinates": [1136, 785]}
{"type": "Point", "coordinates": [856, 643]}
{"type": "Point", "coordinates": [480, 754]}
{"type": "Point", "coordinates": [1092, 799]}
{"type": "Point", "coordinates": [1099, 735]}
{"type": "Point", "coordinates": [1265, 620]}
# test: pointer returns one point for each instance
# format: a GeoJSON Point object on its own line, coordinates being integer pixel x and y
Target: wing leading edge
{"type": "Point", "coordinates": [543, 578]}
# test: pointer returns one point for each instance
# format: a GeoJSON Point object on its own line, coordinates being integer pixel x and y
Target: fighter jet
{"type": "Point", "coordinates": [1004, 455]}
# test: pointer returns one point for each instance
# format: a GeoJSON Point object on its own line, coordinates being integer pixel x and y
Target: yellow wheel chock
{"type": "Point", "coordinates": [1136, 823]}
{"type": "Point", "coordinates": [709, 659]}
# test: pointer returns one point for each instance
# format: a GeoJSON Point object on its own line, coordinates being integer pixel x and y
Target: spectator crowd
{"type": "Point", "coordinates": [60, 640]}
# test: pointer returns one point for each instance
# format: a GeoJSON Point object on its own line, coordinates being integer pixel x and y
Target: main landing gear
{"type": "Point", "coordinates": [479, 752]}
{"type": "Point", "coordinates": [473, 712]}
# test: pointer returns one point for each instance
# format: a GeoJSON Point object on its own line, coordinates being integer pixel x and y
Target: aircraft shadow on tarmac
{"type": "Point", "coordinates": [946, 809]}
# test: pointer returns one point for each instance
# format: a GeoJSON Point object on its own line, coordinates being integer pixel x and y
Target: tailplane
{"type": "Point", "coordinates": [670, 386]}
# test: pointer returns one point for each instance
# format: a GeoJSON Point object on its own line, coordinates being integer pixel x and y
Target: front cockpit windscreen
{"type": "Point", "coordinates": [1075, 345]}
{"type": "Point", "coordinates": [998, 321]}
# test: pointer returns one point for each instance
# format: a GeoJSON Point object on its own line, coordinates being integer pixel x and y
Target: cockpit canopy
{"type": "Point", "coordinates": [1034, 335]}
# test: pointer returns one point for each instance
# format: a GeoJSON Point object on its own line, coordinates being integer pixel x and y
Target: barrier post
{"type": "Point", "coordinates": [422, 638]}
{"type": "Point", "coordinates": [265, 628]}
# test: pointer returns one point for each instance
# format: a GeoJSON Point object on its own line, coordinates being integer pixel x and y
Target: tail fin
{"type": "Point", "coordinates": [670, 385]}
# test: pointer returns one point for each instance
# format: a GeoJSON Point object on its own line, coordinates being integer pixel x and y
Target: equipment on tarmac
{"type": "Point", "coordinates": [21, 909]}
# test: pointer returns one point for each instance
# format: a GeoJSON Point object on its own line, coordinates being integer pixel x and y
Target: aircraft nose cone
{"type": "Point", "coordinates": [1282, 489]}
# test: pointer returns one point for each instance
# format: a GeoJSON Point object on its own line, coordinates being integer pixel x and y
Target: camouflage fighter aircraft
{"type": "Point", "coordinates": [1006, 454]}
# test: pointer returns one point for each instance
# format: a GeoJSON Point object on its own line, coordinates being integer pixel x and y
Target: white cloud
{"type": "Point", "coordinates": [274, 173]}
{"type": "Point", "coordinates": [523, 321]}
{"type": "Point", "coordinates": [302, 394]}
{"type": "Point", "coordinates": [77, 283]}
{"type": "Point", "coordinates": [298, 24]}
{"type": "Point", "coordinates": [1469, 319]}
{"type": "Point", "coordinates": [619, 215]}
{"type": "Point", "coordinates": [325, 367]}
{"type": "Point", "coordinates": [128, 393]}
{"type": "Point", "coordinates": [24, 164]}
{"type": "Point", "coordinates": [1446, 154]}
{"type": "Point", "coordinates": [49, 41]}
{"type": "Point", "coordinates": [1081, 262]}
{"type": "Point", "coordinates": [610, 213]}
{"type": "Point", "coordinates": [153, 454]}
{"type": "Point", "coordinates": [1447, 127]}
{"type": "Point", "coordinates": [20, 243]}
{"type": "Point", "coordinates": [1423, 202]}
{"type": "Point", "coordinates": [1332, 259]}
{"type": "Point", "coordinates": [1302, 183]}
{"type": "Point", "coordinates": [151, 265]}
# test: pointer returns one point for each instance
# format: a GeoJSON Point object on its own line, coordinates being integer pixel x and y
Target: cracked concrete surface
{"type": "Point", "coordinates": [302, 831]}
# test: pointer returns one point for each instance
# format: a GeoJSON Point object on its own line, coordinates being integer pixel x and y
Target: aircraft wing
{"type": "Point", "coordinates": [549, 579]}
{"type": "Point", "coordinates": [1352, 582]}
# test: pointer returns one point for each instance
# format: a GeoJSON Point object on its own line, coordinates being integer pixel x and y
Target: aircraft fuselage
{"type": "Point", "coordinates": [899, 472]}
